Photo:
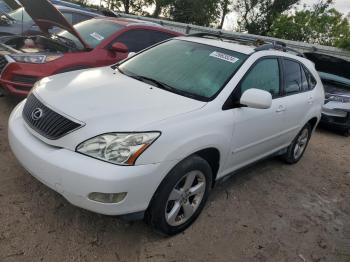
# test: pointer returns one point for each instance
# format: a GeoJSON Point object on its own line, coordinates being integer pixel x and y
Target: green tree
{"type": "Point", "coordinates": [257, 16]}
{"type": "Point", "coordinates": [319, 25]}
{"type": "Point", "coordinates": [199, 12]}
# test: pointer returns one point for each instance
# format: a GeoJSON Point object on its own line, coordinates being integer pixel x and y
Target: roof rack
{"type": "Point", "coordinates": [262, 44]}
{"type": "Point", "coordinates": [222, 36]}
{"type": "Point", "coordinates": [278, 45]}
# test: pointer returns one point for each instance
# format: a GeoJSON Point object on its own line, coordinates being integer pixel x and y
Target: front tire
{"type": "Point", "coordinates": [181, 196]}
{"type": "Point", "coordinates": [297, 149]}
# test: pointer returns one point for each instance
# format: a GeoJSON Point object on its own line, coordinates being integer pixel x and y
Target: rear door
{"type": "Point", "coordinates": [297, 97]}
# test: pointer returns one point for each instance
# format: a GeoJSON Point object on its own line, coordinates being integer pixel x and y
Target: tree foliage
{"type": "Point", "coordinates": [320, 25]}
{"type": "Point", "coordinates": [199, 12]}
{"type": "Point", "coordinates": [257, 16]}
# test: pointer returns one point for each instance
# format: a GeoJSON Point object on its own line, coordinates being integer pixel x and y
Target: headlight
{"type": "Point", "coordinates": [337, 98]}
{"type": "Point", "coordinates": [35, 59]}
{"type": "Point", "coordinates": [118, 148]}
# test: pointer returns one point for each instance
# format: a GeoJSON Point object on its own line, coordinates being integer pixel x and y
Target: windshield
{"type": "Point", "coordinates": [93, 31]}
{"type": "Point", "coordinates": [334, 78]}
{"type": "Point", "coordinates": [187, 67]}
{"type": "Point", "coordinates": [17, 15]}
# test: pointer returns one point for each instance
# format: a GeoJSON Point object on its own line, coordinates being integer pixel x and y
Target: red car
{"type": "Point", "coordinates": [92, 43]}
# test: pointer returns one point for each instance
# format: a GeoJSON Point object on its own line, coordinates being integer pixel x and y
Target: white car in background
{"type": "Point", "coordinates": [149, 137]}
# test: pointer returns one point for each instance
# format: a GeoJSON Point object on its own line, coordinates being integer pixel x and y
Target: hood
{"type": "Point", "coordinates": [109, 101]}
{"type": "Point", "coordinates": [46, 16]}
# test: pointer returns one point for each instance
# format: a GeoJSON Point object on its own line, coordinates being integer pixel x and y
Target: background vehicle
{"type": "Point", "coordinates": [4, 7]}
{"type": "Point", "coordinates": [336, 111]}
{"type": "Point", "coordinates": [335, 75]}
{"type": "Point", "coordinates": [151, 135]}
{"type": "Point", "coordinates": [92, 43]}
{"type": "Point", "coordinates": [19, 22]}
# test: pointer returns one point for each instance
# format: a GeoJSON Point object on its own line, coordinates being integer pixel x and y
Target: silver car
{"type": "Point", "coordinates": [19, 22]}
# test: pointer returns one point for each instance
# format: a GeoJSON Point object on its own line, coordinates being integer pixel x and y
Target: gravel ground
{"type": "Point", "coordinates": [269, 212]}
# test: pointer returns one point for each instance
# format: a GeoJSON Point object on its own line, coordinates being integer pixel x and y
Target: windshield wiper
{"type": "Point", "coordinates": [147, 79]}
{"type": "Point", "coordinates": [159, 84]}
{"type": "Point", "coordinates": [155, 82]}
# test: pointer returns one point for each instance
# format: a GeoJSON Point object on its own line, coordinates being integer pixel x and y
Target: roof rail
{"type": "Point", "coordinates": [246, 39]}
{"type": "Point", "coordinates": [262, 44]}
{"type": "Point", "coordinates": [278, 45]}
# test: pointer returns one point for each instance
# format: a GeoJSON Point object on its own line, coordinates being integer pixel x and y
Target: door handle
{"type": "Point", "coordinates": [280, 109]}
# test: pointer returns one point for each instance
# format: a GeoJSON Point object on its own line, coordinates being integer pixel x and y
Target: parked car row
{"type": "Point", "coordinates": [147, 135]}
{"type": "Point", "coordinates": [101, 41]}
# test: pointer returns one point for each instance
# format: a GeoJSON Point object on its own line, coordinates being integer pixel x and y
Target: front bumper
{"type": "Point", "coordinates": [19, 78]}
{"type": "Point", "coordinates": [336, 115]}
{"type": "Point", "coordinates": [75, 176]}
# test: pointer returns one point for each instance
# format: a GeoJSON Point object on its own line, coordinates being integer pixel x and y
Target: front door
{"type": "Point", "coordinates": [257, 132]}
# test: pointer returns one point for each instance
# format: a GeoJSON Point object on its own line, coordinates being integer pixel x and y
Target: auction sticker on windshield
{"type": "Point", "coordinates": [224, 57]}
{"type": "Point", "coordinates": [97, 36]}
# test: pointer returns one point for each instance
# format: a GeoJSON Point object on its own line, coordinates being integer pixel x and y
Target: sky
{"type": "Point", "coordinates": [342, 6]}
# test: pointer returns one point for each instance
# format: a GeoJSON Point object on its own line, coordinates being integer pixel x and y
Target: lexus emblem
{"type": "Point", "coordinates": [37, 114]}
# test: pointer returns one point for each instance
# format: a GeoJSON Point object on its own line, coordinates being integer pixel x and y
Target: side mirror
{"type": "Point", "coordinates": [256, 98]}
{"type": "Point", "coordinates": [119, 47]}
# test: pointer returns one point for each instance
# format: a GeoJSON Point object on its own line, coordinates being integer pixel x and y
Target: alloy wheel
{"type": "Point", "coordinates": [185, 198]}
{"type": "Point", "coordinates": [301, 143]}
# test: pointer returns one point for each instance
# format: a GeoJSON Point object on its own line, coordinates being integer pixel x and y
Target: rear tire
{"type": "Point", "coordinates": [297, 149]}
{"type": "Point", "coordinates": [181, 196]}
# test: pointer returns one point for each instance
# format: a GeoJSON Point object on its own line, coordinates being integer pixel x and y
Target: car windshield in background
{"type": "Point", "coordinates": [93, 31]}
{"type": "Point", "coordinates": [334, 78]}
{"type": "Point", "coordinates": [20, 15]}
{"type": "Point", "coordinates": [198, 70]}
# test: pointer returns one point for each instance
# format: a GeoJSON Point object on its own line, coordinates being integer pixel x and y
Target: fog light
{"type": "Point", "coordinates": [110, 198]}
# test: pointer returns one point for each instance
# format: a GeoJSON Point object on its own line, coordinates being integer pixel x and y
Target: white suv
{"type": "Point", "coordinates": [150, 136]}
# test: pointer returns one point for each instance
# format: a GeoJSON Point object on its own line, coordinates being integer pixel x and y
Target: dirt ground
{"type": "Point", "coordinates": [270, 212]}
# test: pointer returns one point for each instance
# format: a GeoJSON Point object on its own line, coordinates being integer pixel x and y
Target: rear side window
{"type": "Point", "coordinates": [265, 75]}
{"type": "Point", "coordinates": [304, 80]}
{"type": "Point", "coordinates": [310, 79]}
{"type": "Point", "coordinates": [293, 77]}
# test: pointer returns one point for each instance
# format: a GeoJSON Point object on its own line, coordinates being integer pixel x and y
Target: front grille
{"type": "Point", "coordinates": [45, 121]}
{"type": "Point", "coordinates": [3, 62]}
{"type": "Point", "coordinates": [24, 79]}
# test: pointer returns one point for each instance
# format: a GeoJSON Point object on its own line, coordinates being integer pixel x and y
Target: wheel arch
{"type": "Point", "coordinates": [313, 122]}
{"type": "Point", "coordinates": [212, 156]}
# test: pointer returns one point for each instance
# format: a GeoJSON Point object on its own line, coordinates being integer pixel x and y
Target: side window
{"type": "Point", "coordinates": [311, 79]}
{"type": "Point", "coordinates": [304, 80]}
{"type": "Point", "coordinates": [135, 40]}
{"type": "Point", "coordinates": [293, 77]}
{"type": "Point", "coordinates": [157, 36]}
{"type": "Point", "coordinates": [265, 75]}
{"type": "Point", "coordinates": [77, 18]}
{"type": "Point", "coordinates": [68, 16]}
